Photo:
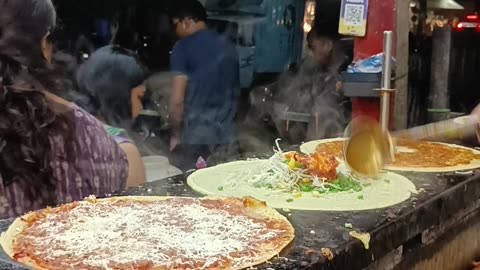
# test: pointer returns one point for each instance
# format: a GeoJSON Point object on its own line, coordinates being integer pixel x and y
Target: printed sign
{"type": "Point", "coordinates": [353, 18]}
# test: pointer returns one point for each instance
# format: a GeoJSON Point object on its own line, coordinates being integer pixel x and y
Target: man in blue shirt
{"type": "Point", "coordinates": [205, 88]}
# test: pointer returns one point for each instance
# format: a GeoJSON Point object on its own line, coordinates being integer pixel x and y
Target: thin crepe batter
{"type": "Point", "coordinates": [230, 179]}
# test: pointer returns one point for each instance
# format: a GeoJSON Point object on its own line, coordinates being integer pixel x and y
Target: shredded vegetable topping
{"type": "Point", "coordinates": [295, 172]}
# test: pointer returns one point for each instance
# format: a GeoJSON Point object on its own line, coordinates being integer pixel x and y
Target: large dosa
{"type": "Point", "coordinates": [410, 159]}
{"type": "Point", "coordinates": [102, 224]}
{"type": "Point", "coordinates": [230, 179]}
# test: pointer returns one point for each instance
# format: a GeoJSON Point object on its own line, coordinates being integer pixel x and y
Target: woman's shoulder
{"type": "Point", "coordinates": [84, 121]}
{"type": "Point", "coordinates": [90, 134]}
{"type": "Point", "coordinates": [97, 164]}
{"type": "Point", "coordinates": [79, 116]}
{"type": "Point", "coordinates": [89, 130]}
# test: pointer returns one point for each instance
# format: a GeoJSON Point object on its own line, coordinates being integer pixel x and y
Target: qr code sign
{"type": "Point", "coordinates": [353, 14]}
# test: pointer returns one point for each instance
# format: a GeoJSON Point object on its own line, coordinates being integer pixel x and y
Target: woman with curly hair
{"type": "Point", "coordinates": [51, 151]}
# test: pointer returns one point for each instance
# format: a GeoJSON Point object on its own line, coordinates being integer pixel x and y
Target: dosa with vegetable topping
{"type": "Point", "coordinates": [419, 156]}
{"type": "Point", "coordinates": [149, 233]}
{"type": "Point", "coordinates": [308, 182]}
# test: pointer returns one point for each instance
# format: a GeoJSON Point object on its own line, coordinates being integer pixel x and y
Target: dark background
{"type": "Point", "coordinates": [148, 20]}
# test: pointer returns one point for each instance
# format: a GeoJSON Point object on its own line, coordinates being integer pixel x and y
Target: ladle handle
{"type": "Point", "coordinates": [458, 128]}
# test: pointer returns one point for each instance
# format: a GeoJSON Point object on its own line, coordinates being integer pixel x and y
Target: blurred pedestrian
{"type": "Point", "coordinates": [205, 87]}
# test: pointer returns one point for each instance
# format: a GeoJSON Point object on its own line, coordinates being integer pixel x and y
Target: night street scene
{"type": "Point", "coordinates": [239, 134]}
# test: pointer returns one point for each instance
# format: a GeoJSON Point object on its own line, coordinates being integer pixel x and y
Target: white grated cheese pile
{"type": "Point", "coordinates": [166, 233]}
{"type": "Point", "coordinates": [276, 175]}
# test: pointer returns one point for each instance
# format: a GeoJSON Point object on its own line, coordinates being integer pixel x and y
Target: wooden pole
{"type": "Point", "coordinates": [441, 46]}
{"type": "Point", "coordinates": [402, 19]}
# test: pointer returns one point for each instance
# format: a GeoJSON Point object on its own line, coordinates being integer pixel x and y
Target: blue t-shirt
{"type": "Point", "coordinates": [210, 62]}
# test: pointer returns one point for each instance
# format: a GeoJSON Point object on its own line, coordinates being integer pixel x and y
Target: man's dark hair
{"type": "Point", "coordinates": [189, 9]}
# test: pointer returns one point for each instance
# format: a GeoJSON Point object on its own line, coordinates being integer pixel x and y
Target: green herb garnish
{"type": "Point", "coordinates": [345, 183]}
{"type": "Point", "coordinates": [307, 188]}
{"type": "Point", "coordinates": [321, 190]}
{"type": "Point", "coordinates": [220, 188]}
{"type": "Point", "coordinates": [289, 200]}
{"type": "Point", "coordinates": [360, 197]}
{"type": "Point", "coordinates": [387, 181]}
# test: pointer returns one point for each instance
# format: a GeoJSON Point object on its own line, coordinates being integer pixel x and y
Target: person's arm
{"type": "Point", "coordinates": [178, 63]}
{"type": "Point", "coordinates": [338, 86]}
{"type": "Point", "coordinates": [476, 113]}
{"type": "Point", "coordinates": [136, 169]}
{"type": "Point", "coordinates": [176, 106]}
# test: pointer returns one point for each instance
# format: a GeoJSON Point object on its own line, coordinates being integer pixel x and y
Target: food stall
{"type": "Point", "coordinates": [435, 225]}
{"type": "Point", "coordinates": [400, 235]}
{"type": "Point", "coordinates": [412, 230]}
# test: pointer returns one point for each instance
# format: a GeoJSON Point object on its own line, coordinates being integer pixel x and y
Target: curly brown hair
{"type": "Point", "coordinates": [28, 119]}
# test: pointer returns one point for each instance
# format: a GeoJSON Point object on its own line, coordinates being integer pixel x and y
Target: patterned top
{"type": "Point", "coordinates": [100, 167]}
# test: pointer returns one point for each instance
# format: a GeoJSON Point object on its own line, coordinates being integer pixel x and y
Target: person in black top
{"type": "Point", "coordinates": [205, 89]}
{"type": "Point", "coordinates": [315, 90]}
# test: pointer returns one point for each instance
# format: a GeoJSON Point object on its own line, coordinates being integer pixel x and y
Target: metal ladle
{"type": "Point", "coordinates": [369, 148]}
{"type": "Point", "coordinates": [369, 145]}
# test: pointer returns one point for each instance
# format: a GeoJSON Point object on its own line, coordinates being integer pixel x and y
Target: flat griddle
{"type": "Point", "coordinates": [442, 197]}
